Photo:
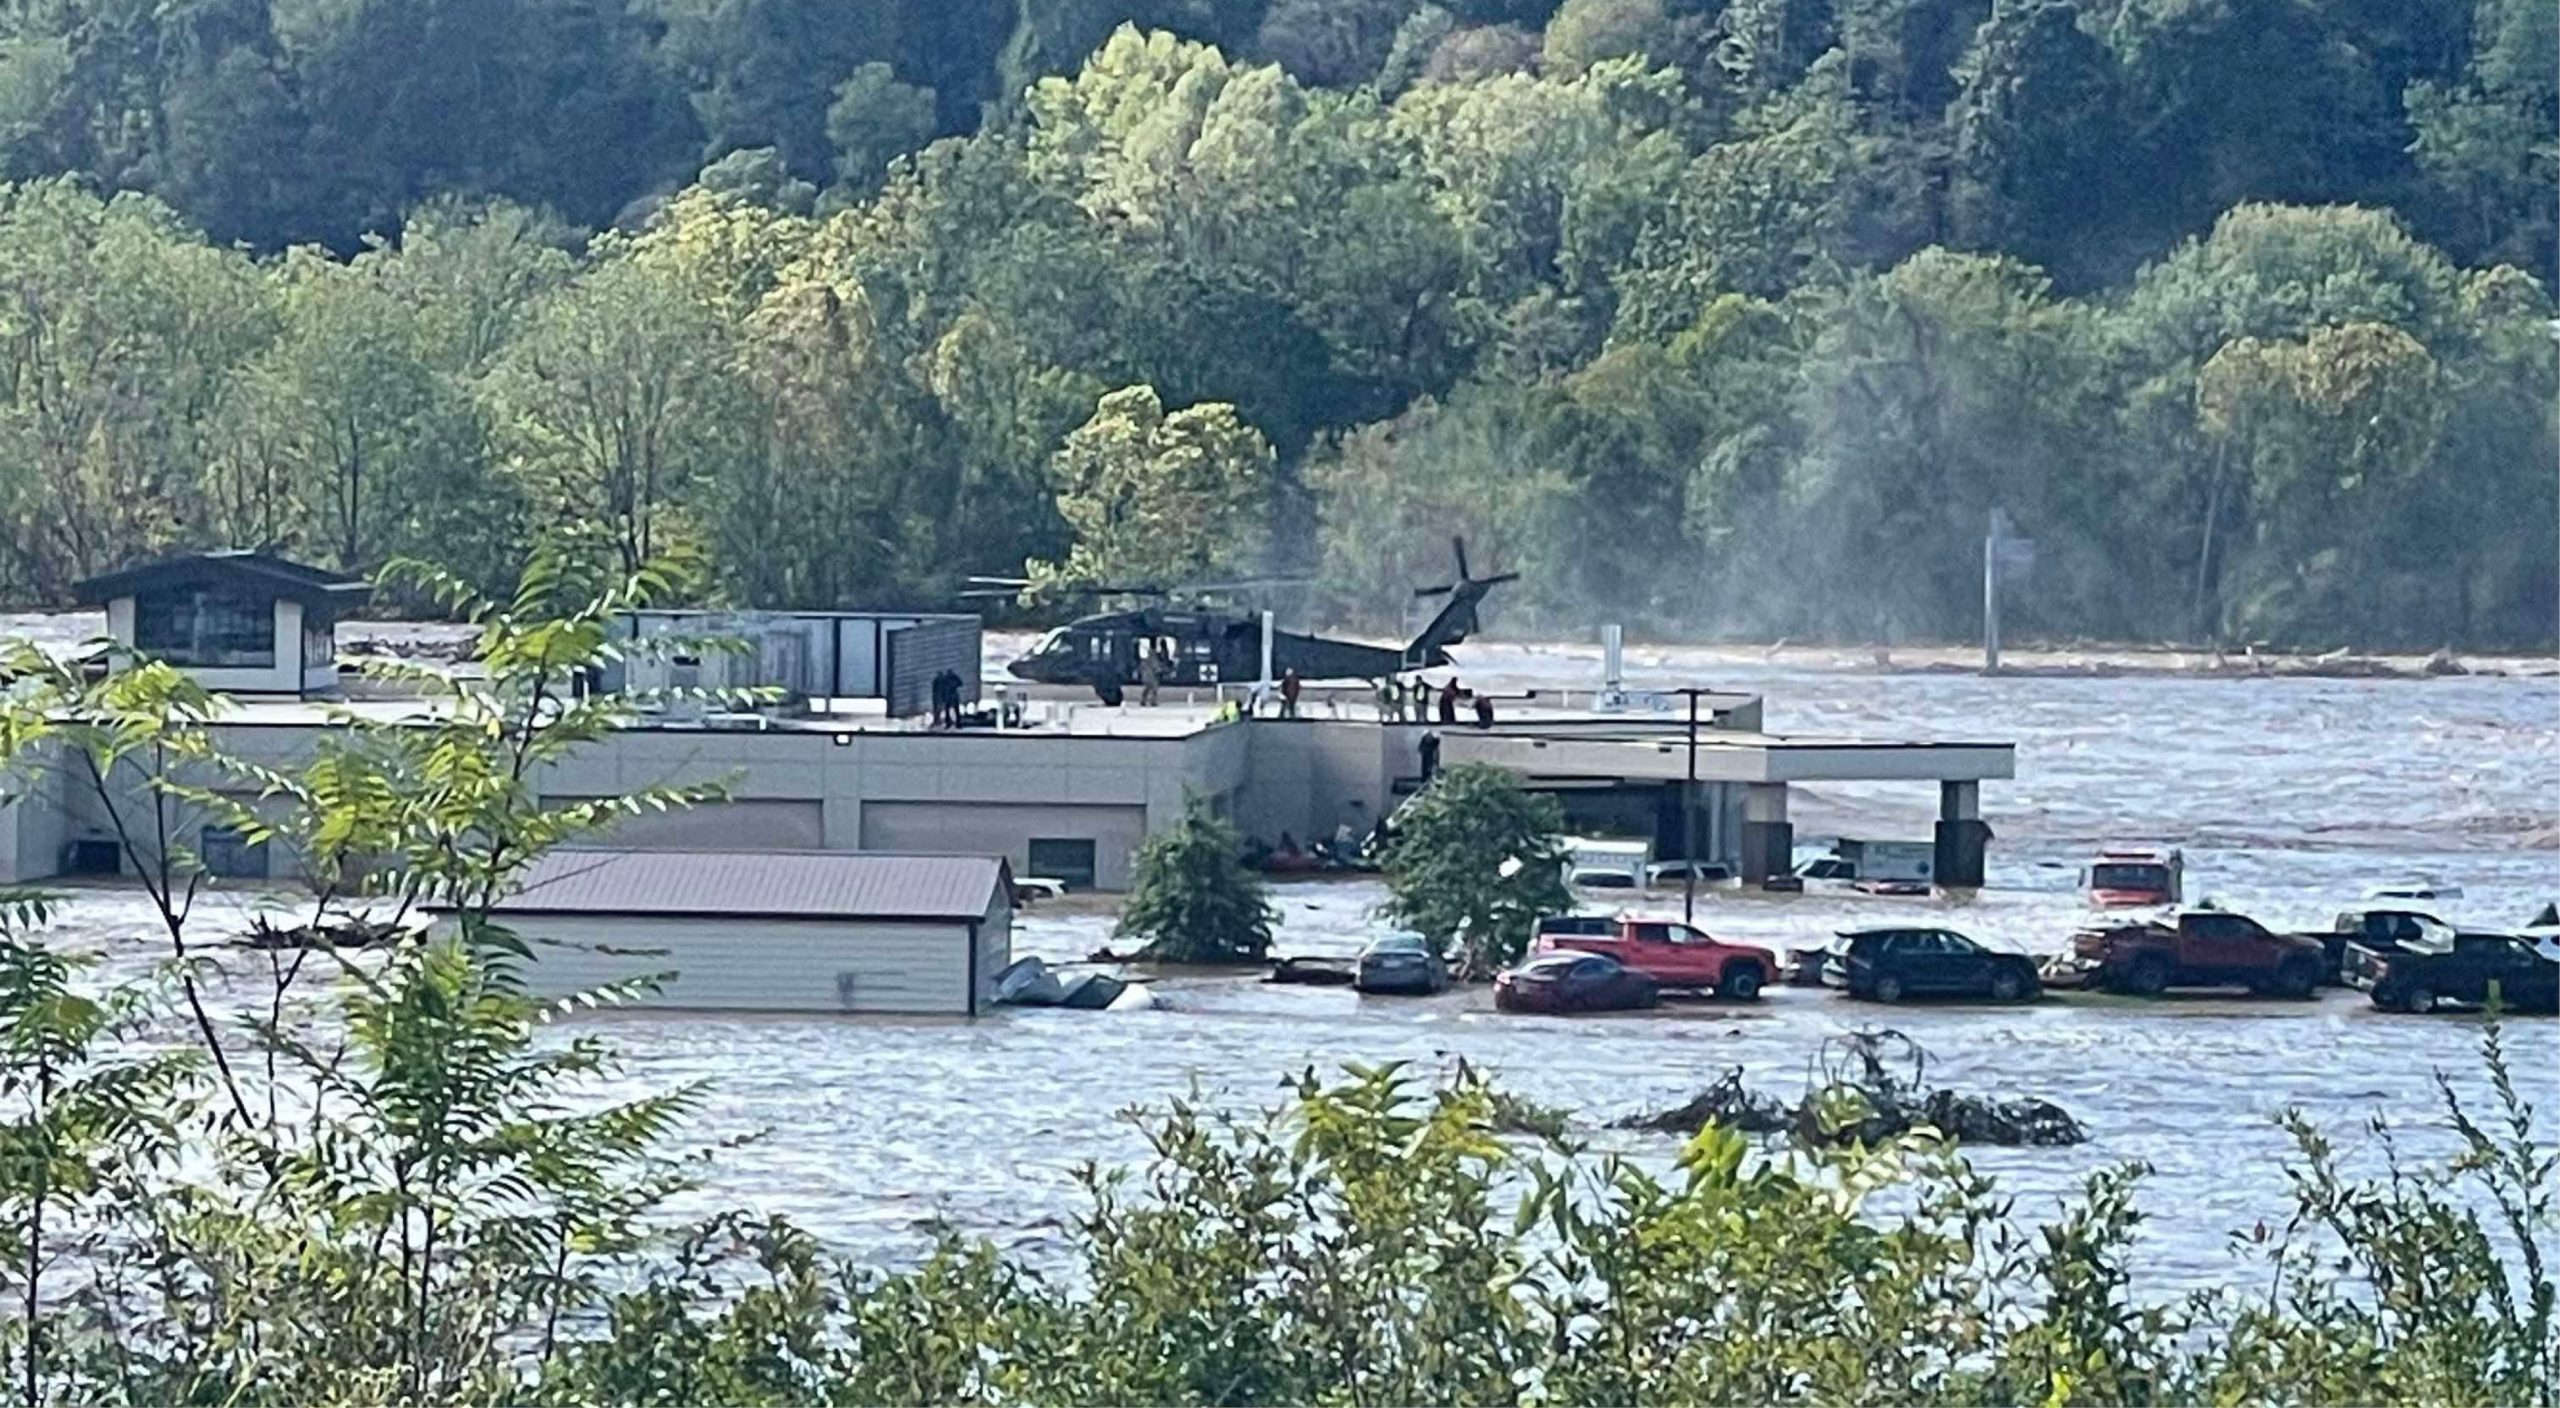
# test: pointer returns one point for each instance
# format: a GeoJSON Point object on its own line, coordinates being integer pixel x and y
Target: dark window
{"type": "Point", "coordinates": [92, 857]}
{"type": "Point", "coordinates": [229, 854]}
{"type": "Point", "coordinates": [1069, 862]}
{"type": "Point", "coordinates": [2222, 926]}
{"type": "Point", "coordinates": [206, 628]}
{"type": "Point", "coordinates": [2120, 875]}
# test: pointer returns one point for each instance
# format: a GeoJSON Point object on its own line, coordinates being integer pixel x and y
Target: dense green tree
{"type": "Point", "coordinates": [606, 411]}
{"type": "Point", "coordinates": [2037, 129]}
{"type": "Point", "coordinates": [1475, 860]}
{"type": "Point", "coordinates": [120, 337]}
{"type": "Point", "coordinates": [1157, 496]}
{"type": "Point", "coordinates": [874, 120]}
{"type": "Point", "coordinates": [2485, 141]}
{"type": "Point", "coordinates": [762, 73]}
{"type": "Point", "coordinates": [1643, 291]}
{"type": "Point", "coordinates": [1192, 899]}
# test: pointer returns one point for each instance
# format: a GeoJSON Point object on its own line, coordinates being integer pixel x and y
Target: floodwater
{"type": "Point", "coordinates": [2290, 796]}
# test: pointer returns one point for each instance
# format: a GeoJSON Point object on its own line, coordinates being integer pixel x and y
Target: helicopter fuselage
{"type": "Point", "coordinates": [1198, 648]}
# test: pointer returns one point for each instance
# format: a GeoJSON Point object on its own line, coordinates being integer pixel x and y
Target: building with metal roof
{"type": "Point", "coordinates": [768, 931]}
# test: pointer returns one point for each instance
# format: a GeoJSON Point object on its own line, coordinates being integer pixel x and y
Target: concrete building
{"type": "Point", "coordinates": [1067, 793]}
{"type": "Point", "coordinates": [798, 931]}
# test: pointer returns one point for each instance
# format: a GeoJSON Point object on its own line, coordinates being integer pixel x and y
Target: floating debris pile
{"type": "Point", "coordinates": [1867, 1087]}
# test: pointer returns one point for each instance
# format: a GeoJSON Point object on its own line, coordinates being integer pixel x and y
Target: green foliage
{"type": "Point", "coordinates": [1377, 1239]}
{"type": "Point", "coordinates": [1192, 898]}
{"type": "Point", "coordinates": [1158, 497]}
{"type": "Point", "coordinates": [924, 242]}
{"type": "Point", "coordinates": [1474, 861]}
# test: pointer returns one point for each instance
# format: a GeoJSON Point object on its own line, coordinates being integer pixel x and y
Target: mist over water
{"type": "Point", "coordinates": [2290, 796]}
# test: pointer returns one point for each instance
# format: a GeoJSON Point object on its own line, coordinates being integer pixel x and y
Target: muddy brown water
{"type": "Point", "coordinates": [2289, 796]}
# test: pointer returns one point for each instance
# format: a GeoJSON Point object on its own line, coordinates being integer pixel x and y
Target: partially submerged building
{"type": "Point", "coordinates": [1069, 793]}
{"type": "Point", "coordinates": [771, 931]}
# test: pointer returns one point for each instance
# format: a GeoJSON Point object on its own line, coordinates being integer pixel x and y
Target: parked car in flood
{"type": "Point", "coordinates": [1887, 963]}
{"type": "Point", "coordinates": [2462, 967]}
{"type": "Point", "coordinates": [1674, 955]}
{"type": "Point", "coordinates": [2382, 929]}
{"type": "Point", "coordinates": [2200, 948]}
{"type": "Point", "coordinates": [1574, 982]}
{"type": "Point", "coordinates": [1400, 963]}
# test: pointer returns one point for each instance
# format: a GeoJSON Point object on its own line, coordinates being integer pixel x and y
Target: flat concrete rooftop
{"type": "Point", "coordinates": [1545, 743]}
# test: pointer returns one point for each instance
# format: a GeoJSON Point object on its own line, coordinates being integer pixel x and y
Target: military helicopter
{"type": "Point", "coordinates": [1207, 645]}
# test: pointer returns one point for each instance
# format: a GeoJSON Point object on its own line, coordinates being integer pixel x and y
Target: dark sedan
{"type": "Point", "coordinates": [1574, 982]}
{"type": "Point", "coordinates": [1888, 964]}
{"type": "Point", "coordinates": [1400, 963]}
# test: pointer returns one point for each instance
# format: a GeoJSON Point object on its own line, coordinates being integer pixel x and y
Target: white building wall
{"type": "Point", "coordinates": [757, 965]}
{"type": "Point", "coordinates": [33, 821]}
{"type": "Point", "coordinates": [1007, 830]}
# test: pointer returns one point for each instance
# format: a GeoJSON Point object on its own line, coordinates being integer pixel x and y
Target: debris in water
{"type": "Point", "coordinates": [1315, 972]}
{"type": "Point", "coordinates": [1725, 1103]}
{"type": "Point", "coordinates": [1865, 1088]}
{"type": "Point", "coordinates": [266, 934]}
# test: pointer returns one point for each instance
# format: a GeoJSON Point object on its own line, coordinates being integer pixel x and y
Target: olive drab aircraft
{"type": "Point", "coordinates": [1206, 645]}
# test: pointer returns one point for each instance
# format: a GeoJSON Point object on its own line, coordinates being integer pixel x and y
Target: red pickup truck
{"type": "Point", "coordinates": [2196, 948]}
{"type": "Point", "coordinates": [1672, 954]}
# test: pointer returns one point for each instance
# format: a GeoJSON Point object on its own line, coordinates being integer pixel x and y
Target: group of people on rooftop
{"type": "Point", "coordinates": [1416, 700]}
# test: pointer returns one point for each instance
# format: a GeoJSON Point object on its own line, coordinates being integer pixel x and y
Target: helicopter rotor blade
{"type": "Point", "coordinates": [1420, 592]}
{"type": "Point", "coordinates": [1458, 545]}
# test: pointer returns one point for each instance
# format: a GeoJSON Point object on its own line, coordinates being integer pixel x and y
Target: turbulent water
{"type": "Point", "coordinates": [2290, 796]}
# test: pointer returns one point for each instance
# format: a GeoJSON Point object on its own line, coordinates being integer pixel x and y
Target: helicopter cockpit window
{"type": "Point", "coordinates": [1051, 643]}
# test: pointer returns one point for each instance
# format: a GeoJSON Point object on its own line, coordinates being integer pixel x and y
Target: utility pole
{"type": "Point", "coordinates": [2004, 555]}
{"type": "Point", "coordinates": [1689, 820]}
{"type": "Point", "coordinates": [1991, 596]}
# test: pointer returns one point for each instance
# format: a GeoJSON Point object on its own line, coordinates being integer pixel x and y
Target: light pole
{"type": "Point", "coordinates": [1689, 811]}
{"type": "Point", "coordinates": [1689, 821]}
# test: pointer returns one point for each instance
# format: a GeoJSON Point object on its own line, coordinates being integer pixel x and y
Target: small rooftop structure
{"type": "Point", "coordinates": [806, 655]}
{"type": "Point", "coordinates": [237, 621]}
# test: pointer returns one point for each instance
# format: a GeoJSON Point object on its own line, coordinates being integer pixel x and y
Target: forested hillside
{"type": "Point", "coordinates": [1730, 316]}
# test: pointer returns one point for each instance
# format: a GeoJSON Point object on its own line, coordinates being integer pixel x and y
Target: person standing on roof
{"type": "Point", "coordinates": [1390, 699]}
{"type": "Point", "coordinates": [1150, 675]}
{"type": "Point", "coordinates": [1484, 710]}
{"type": "Point", "coordinates": [1290, 685]}
{"type": "Point", "coordinates": [1449, 702]}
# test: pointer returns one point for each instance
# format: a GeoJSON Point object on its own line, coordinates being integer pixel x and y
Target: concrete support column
{"type": "Point", "coordinates": [1962, 837]}
{"type": "Point", "coordinates": [1768, 839]}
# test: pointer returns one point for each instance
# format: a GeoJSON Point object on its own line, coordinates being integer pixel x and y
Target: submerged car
{"type": "Point", "coordinates": [2463, 968]}
{"type": "Point", "coordinates": [1400, 963]}
{"type": "Point", "coordinates": [1890, 963]}
{"type": "Point", "coordinates": [1574, 982]}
